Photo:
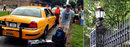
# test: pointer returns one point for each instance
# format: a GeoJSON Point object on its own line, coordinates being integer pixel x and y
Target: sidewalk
{"type": "Point", "coordinates": [69, 37]}
{"type": "Point", "coordinates": [7, 9]}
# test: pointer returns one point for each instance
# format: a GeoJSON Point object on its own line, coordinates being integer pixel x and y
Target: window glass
{"type": "Point", "coordinates": [47, 13]}
{"type": "Point", "coordinates": [51, 12]}
{"type": "Point", "coordinates": [27, 11]}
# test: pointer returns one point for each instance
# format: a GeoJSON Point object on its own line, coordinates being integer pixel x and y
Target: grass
{"type": "Point", "coordinates": [77, 36]}
{"type": "Point", "coordinates": [86, 40]}
{"type": "Point", "coordinates": [3, 13]}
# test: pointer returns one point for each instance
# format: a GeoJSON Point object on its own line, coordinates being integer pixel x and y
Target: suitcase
{"type": "Point", "coordinates": [59, 38]}
{"type": "Point", "coordinates": [40, 43]}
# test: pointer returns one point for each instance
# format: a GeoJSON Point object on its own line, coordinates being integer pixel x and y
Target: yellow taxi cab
{"type": "Point", "coordinates": [27, 22]}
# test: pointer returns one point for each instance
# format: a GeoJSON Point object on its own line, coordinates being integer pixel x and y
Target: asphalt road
{"type": "Point", "coordinates": [14, 42]}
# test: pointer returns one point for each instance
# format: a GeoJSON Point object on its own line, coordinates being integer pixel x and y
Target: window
{"type": "Point", "coordinates": [51, 12]}
{"type": "Point", "coordinates": [47, 13]}
{"type": "Point", "coordinates": [27, 11]}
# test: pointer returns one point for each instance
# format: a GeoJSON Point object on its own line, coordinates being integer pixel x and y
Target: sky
{"type": "Point", "coordinates": [67, 2]}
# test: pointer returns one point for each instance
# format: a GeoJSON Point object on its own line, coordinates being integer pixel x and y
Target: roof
{"type": "Point", "coordinates": [33, 6]}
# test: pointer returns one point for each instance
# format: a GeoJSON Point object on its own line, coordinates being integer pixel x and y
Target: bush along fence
{"type": "Point", "coordinates": [116, 36]}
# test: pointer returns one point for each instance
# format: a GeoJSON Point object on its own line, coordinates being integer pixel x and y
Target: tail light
{"type": "Point", "coordinates": [33, 24]}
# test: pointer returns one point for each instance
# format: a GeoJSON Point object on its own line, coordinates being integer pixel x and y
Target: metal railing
{"type": "Point", "coordinates": [116, 36]}
{"type": "Point", "coordinates": [119, 35]}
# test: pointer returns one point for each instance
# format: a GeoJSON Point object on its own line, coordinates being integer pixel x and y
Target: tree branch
{"type": "Point", "coordinates": [111, 18]}
{"type": "Point", "coordinates": [126, 12]}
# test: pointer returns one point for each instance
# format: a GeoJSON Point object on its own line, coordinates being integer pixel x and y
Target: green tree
{"type": "Point", "coordinates": [55, 2]}
{"type": "Point", "coordinates": [72, 4]}
{"type": "Point", "coordinates": [80, 2]}
{"type": "Point", "coordinates": [115, 10]}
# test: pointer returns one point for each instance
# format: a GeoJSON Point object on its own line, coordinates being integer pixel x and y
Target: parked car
{"type": "Point", "coordinates": [27, 22]}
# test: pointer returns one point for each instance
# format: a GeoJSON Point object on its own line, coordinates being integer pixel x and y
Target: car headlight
{"type": "Point", "coordinates": [2, 23]}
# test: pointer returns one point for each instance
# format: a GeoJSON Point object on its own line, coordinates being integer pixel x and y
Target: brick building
{"type": "Point", "coordinates": [19, 2]}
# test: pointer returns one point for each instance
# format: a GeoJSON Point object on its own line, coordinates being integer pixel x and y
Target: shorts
{"type": "Point", "coordinates": [65, 27]}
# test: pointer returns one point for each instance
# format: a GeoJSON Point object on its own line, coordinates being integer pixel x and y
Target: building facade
{"type": "Point", "coordinates": [17, 2]}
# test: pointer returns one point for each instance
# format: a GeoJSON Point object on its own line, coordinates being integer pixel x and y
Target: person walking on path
{"type": "Point", "coordinates": [66, 21]}
{"type": "Point", "coordinates": [4, 7]}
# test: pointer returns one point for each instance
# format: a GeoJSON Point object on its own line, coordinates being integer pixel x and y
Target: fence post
{"type": "Point", "coordinates": [121, 34]}
{"type": "Point", "coordinates": [124, 32]}
{"type": "Point", "coordinates": [129, 30]}
{"type": "Point", "coordinates": [117, 34]}
{"type": "Point", "coordinates": [127, 35]}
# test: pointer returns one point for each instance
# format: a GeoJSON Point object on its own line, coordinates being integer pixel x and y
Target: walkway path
{"type": "Point", "coordinates": [8, 9]}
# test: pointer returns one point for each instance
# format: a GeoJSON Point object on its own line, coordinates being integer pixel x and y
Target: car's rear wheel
{"type": "Point", "coordinates": [45, 33]}
{"type": "Point", "coordinates": [44, 36]}
{"type": "Point", "coordinates": [56, 23]}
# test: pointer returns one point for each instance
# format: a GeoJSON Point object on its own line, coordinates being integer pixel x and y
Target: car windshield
{"type": "Point", "coordinates": [26, 11]}
{"type": "Point", "coordinates": [56, 8]}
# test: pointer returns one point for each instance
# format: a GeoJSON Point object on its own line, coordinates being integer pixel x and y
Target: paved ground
{"type": "Point", "coordinates": [13, 42]}
{"type": "Point", "coordinates": [8, 9]}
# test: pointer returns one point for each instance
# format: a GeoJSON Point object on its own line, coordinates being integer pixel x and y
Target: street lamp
{"type": "Point", "coordinates": [97, 36]}
{"type": "Point", "coordinates": [100, 13]}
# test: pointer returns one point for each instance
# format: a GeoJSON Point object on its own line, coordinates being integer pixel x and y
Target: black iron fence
{"type": "Point", "coordinates": [116, 36]}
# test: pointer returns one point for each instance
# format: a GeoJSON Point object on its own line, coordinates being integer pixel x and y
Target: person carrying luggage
{"type": "Point", "coordinates": [66, 19]}
{"type": "Point", "coordinates": [59, 38]}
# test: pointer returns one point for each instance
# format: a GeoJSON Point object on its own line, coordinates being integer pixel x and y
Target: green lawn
{"type": "Point", "coordinates": [3, 13]}
{"type": "Point", "coordinates": [77, 36]}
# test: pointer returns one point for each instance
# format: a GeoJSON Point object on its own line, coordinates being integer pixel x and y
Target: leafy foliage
{"type": "Point", "coordinates": [76, 3]}
{"type": "Point", "coordinates": [63, 2]}
{"type": "Point", "coordinates": [115, 11]}
{"type": "Point", "coordinates": [80, 2]}
{"type": "Point", "coordinates": [55, 2]}
{"type": "Point", "coordinates": [72, 4]}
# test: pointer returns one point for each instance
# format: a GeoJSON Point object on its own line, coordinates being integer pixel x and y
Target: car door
{"type": "Point", "coordinates": [48, 16]}
{"type": "Point", "coordinates": [53, 18]}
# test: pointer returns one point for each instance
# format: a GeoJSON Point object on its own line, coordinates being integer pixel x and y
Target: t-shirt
{"type": "Point", "coordinates": [57, 11]}
{"type": "Point", "coordinates": [4, 5]}
{"type": "Point", "coordinates": [66, 16]}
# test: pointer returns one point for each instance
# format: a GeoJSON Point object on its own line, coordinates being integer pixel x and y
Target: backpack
{"type": "Point", "coordinates": [59, 38]}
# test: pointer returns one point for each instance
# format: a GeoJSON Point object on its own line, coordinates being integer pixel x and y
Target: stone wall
{"type": "Point", "coordinates": [1, 2]}
{"type": "Point", "coordinates": [16, 2]}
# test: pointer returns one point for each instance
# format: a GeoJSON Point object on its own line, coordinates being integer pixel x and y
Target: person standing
{"type": "Point", "coordinates": [65, 21]}
{"type": "Point", "coordinates": [4, 7]}
{"type": "Point", "coordinates": [57, 13]}
{"type": "Point", "coordinates": [64, 7]}
{"type": "Point", "coordinates": [47, 6]}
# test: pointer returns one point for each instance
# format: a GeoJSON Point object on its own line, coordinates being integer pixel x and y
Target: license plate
{"type": "Point", "coordinates": [10, 33]}
{"type": "Point", "coordinates": [12, 25]}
